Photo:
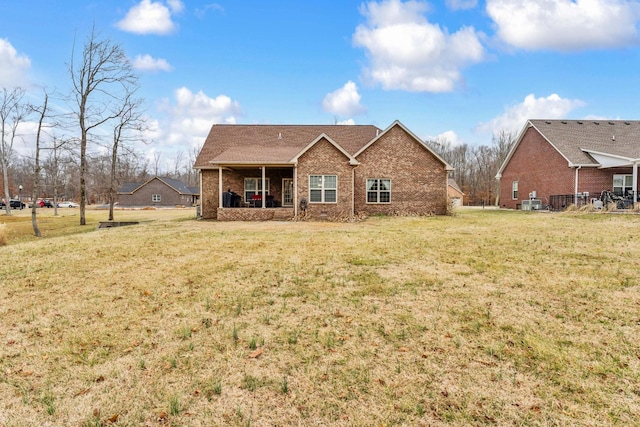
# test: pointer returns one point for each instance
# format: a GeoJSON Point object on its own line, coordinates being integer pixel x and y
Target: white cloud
{"type": "Point", "coordinates": [551, 107]}
{"type": "Point", "coordinates": [149, 17]}
{"type": "Point", "coordinates": [407, 52]}
{"type": "Point", "coordinates": [176, 6]}
{"type": "Point", "coordinates": [451, 137]}
{"type": "Point", "coordinates": [191, 116]}
{"type": "Point", "coordinates": [348, 122]}
{"type": "Point", "coordinates": [566, 25]}
{"type": "Point", "coordinates": [202, 11]}
{"type": "Point", "coordinates": [14, 66]}
{"type": "Point", "coordinates": [461, 4]}
{"type": "Point", "coordinates": [344, 101]}
{"type": "Point", "coordinates": [149, 63]}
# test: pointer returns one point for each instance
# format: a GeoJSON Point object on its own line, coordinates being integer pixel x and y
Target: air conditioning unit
{"type": "Point", "coordinates": [531, 205]}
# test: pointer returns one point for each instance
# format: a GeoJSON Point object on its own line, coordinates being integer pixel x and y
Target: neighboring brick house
{"type": "Point", "coordinates": [318, 171]}
{"type": "Point", "coordinates": [157, 191]}
{"type": "Point", "coordinates": [560, 162]}
{"type": "Point", "coordinates": [455, 194]}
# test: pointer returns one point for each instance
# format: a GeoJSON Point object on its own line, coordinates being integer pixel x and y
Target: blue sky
{"type": "Point", "coordinates": [454, 69]}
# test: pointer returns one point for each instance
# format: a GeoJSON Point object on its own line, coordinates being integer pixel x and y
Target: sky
{"type": "Point", "coordinates": [460, 70]}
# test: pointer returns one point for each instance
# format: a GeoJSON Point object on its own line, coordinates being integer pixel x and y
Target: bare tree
{"type": "Point", "coordinates": [502, 143]}
{"type": "Point", "coordinates": [130, 120]}
{"type": "Point", "coordinates": [42, 112]}
{"type": "Point", "coordinates": [101, 77]}
{"type": "Point", "coordinates": [12, 112]}
{"type": "Point", "coordinates": [156, 161]}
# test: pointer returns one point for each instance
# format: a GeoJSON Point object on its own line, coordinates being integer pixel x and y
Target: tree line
{"type": "Point", "coordinates": [475, 167]}
{"type": "Point", "coordinates": [83, 143]}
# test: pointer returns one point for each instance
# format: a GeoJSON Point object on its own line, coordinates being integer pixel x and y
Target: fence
{"type": "Point", "coordinates": [561, 202]}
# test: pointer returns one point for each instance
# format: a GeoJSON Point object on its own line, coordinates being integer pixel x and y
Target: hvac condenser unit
{"type": "Point", "coordinates": [531, 205]}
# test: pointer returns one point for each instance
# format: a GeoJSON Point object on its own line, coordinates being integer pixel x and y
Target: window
{"type": "Point", "coordinates": [253, 186]}
{"type": "Point", "coordinates": [155, 198]}
{"type": "Point", "coordinates": [378, 190]}
{"type": "Point", "coordinates": [514, 190]}
{"type": "Point", "coordinates": [622, 184]}
{"type": "Point", "coordinates": [323, 188]}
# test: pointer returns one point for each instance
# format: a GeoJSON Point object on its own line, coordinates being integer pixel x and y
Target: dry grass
{"type": "Point", "coordinates": [485, 317]}
{"type": "Point", "coordinates": [3, 235]}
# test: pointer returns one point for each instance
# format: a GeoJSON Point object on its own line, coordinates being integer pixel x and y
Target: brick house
{"type": "Point", "coordinates": [157, 191]}
{"type": "Point", "coordinates": [454, 193]}
{"type": "Point", "coordinates": [562, 162]}
{"type": "Point", "coordinates": [318, 171]}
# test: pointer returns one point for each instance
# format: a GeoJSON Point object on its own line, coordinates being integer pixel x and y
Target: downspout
{"type": "Point", "coordinates": [575, 193]}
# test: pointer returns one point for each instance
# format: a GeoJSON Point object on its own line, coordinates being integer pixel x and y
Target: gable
{"type": "Point", "coordinates": [401, 141]}
{"type": "Point", "coordinates": [587, 143]}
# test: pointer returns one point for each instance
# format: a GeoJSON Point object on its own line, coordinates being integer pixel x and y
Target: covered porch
{"type": "Point", "coordinates": [249, 192]}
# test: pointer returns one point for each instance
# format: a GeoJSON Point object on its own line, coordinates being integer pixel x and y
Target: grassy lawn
{"type": "Point", "coordinates": [486, 317]}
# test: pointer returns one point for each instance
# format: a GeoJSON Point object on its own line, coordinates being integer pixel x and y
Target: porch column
{"type": "Point", "coordinates": [219, 186]}
{"type": "Point", "coordinates": [635, 183]}
{"type": "Point", "coordinates": [295, 190]}
{"type": "Point", "coordinates": [264, 187]}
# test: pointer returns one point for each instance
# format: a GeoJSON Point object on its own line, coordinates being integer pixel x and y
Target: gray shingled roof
{"type": "Point", "coordinates": [179, 186]}
{"type": "Point", "coordinates": [275, 143]}
{"type": "Point", "coordinates": [129, 187]}
{"type": "Point", "coordinates": [574, 138]}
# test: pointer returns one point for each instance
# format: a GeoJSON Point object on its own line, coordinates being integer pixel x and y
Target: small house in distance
{"type": "Point", "coordinates": [557, 163]}
{"type": "Point", "coordinates": [265, 172]}
{"type": "Point", "coordinates": [158, 192]}
{"type": "Point", "coordinates": [455, 194]}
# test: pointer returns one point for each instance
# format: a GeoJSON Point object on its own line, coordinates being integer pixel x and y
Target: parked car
{"type": "Point", "coordinates": [68, 205]}
{"type": "Point", "coordinates": [43, 203]}
{"type": "Point", "coordinates": [14, 204]}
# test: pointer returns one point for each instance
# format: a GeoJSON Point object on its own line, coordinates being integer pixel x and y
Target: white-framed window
{"type": "Point", "coordinates": [378, 190]}
{"type": "Point", "coordinates": [156, 198]}
{"type": "Point", "coordinates": [514, 190]}
{"type": "Point", "coordinates": [253, 186]}
{"type": "Point", "coordinates": [323, 188]}
{"type": "Point", "coordinates": [622, 184]}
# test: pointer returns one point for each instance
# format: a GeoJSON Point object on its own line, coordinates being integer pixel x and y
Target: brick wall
{"type": "Point", "coordinates": [418, 178]}
{"type": "Point", "coordinates": [537, 166]}
{"type": "Point", "coordinates": [254, 214]}
{"type": "Point", "coordinates": [325, 159]}
{"type": "Point", "coordinates": [209, 199]}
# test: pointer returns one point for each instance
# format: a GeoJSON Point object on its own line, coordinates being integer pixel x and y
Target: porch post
{"type": "Point", "coordinates": [295, 190]}
{"type": "Point", "coordinates": [219, 186]}
{"type": "Point", "coordinates": [635, 183]}
{"type": "Point", "coordinates": [264, 189]}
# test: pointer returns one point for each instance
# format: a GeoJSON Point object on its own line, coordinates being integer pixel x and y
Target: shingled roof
{"type": "Point", "coordinates": [575, 139]}
{"type": "Point", "coordinates": [275, 143]}
{"type": "Point", "coordinates": [179, 186]}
